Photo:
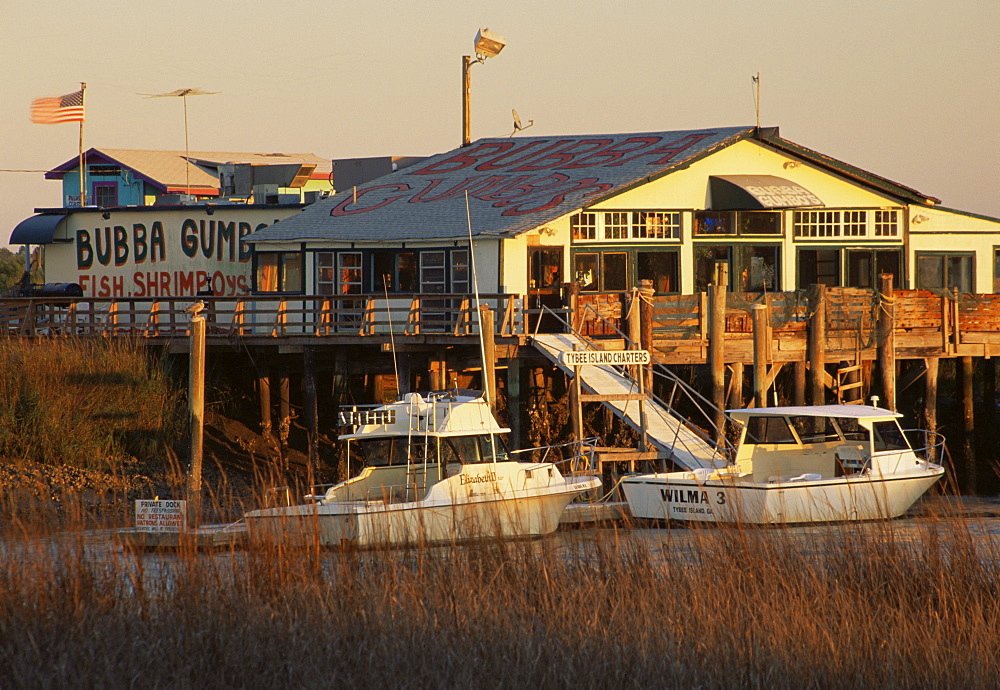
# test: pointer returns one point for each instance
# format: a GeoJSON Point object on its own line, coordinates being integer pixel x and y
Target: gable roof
{"type": "Point", "coordinates": [168, 170]}
{"type": "Point", "coordinates": [516, 185]}
{"type": "Point", "coordinates": [513, 185]}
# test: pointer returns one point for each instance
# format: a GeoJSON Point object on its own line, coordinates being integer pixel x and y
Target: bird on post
{"type": "Point", "coordinates": [196, 308]}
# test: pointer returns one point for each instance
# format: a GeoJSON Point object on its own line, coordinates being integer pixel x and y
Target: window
{"type": "Point", "coordinates": [339, 274]}
{"type": "Point", "coordinates": [887, 223]}
{"type": "Point", "coordinates": [616, 226]}
{"type": "Point", "coordinates": [752, 268]}
{"type": "Point", "coordinates": [770, 430]}
{"type": "Point", "coordinates": [659, 267]}
{"type": "Point", "coordinates": [278, 272]}
{"type": "Point", "coordinates": [705, 257]}
{"type": "Point", "coordinates": [614, 271]}
{"type": "Point", "coordinates": [817, 224]}
{"type": "Point", "coordinates": [846, 223]}
{"type": "Point", "coordinates": [583, 226]}
{"type": "Point", "coordinates": [585, 271]}
{"type": "Point", "coordinates": [394, 270]}
{"type": "Point", "coordinates": [996, 269]}
{"type": "Point", "coordinates": [865, 265]}
{"type": "Point", "coordinates": [656, 225]}
{"type": "Point", "coordinates": [945, 271]}
{"type": "Point", "coordinates": [714, 223]}
{"type": "Point", "coordinates": [737, 223]}
{"type": "Point", "coordinates": [460, 271]}
{"type": "Point", "coordinates": [105, 194]}
{"type": "Point", "coordinates": [819, 266]}
{"type": "Point", "coordinates": [756, 268]}
{"type": "Point", "coordinates": [432, 272]}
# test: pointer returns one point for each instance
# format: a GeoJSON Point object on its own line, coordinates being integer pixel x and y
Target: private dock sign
{"type": "Point", "coordinates": [160, 516]}
{"type": "Point", "coordinates": [577, 358]}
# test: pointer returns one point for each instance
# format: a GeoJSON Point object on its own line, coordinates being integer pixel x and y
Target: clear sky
{"type": "Point", "coordinates": [904, 89]}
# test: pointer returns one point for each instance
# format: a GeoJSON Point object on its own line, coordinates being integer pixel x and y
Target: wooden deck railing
{"type": "Point", "coordinates": [944, 321]}
{"type": "Point", "coordinates": [315, 315]}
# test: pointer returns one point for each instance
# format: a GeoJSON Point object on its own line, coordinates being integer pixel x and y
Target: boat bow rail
{"type": "Point", "coordinates": [666, 429]}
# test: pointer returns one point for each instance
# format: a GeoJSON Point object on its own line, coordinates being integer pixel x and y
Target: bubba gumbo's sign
{"type": "Point", "coordinates": [167, 256]}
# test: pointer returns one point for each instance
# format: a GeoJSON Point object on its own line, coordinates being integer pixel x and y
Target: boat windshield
{"type": "Point", "coordinates": [888, 436]}
{"type": "Point", "coordinates": [769, 430]}
{"type": "Point", "coordinates": [815, 429]}
{"type": "Point", "coordinates": [388, 450]}
{"type": "Point", "coordinates": [472, 449]}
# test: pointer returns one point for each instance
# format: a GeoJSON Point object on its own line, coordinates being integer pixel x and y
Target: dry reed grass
{"type": "Point", "coordinates": [853, 606]}
{"type": "Point", "coordinates": [93, 403]}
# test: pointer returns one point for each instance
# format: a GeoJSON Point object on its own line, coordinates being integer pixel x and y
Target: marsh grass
{"type": "Point", "coordinates": [853, 606]}
{"type": "Point", "coordinates": [92, 404]}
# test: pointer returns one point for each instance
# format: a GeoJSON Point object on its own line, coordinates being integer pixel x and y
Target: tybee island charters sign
{"type": "Point", "coordinates": [613, 357]}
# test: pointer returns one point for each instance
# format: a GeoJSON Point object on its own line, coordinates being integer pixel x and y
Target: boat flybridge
{"type": "Point", "coordinates": [436, 469]}
{"type": "Point", "coordinates": [824, 463]}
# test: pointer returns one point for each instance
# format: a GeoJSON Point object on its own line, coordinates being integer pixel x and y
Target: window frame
{"type": "Point", "coordinates": [946, 269]}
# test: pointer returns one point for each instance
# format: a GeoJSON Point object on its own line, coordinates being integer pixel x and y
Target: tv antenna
{"type": "Point", "coordinates": [184, 93]}
{"type": "Point", "coordinates": [517, 122]}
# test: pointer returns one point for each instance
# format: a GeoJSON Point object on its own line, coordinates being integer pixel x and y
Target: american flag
{"type": "Point", "coordinates": [52, 111]}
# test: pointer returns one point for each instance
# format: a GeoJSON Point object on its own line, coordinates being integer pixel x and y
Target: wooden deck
{"type": "Point", "coordinates": [924, 324]}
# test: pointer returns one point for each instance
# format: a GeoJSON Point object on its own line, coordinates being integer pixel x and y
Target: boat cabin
{"type": "Point", "coordinates": [824, 441]}
{"type": "Point", "coordinates": [417, 441]}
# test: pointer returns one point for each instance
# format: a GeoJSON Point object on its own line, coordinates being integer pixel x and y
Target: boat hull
{"type": "Point", "coordinates": [672, 496]}
{"type": "Point", "coordinates": [421, 522]}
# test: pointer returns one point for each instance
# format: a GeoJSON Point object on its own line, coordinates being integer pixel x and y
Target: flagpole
{"type": "Point", "coordinates": [83, 170]}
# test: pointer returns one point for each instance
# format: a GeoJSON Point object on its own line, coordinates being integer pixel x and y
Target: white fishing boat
{"type": "Point", "coordinates": [825, 463]}
{"type": "Point", "coordinates": [436, 469]}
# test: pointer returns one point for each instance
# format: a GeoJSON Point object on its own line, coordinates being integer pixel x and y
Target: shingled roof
{"type": "Point", "coordinates": [513, 185]}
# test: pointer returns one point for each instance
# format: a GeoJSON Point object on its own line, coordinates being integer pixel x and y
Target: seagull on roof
{"type": "Point", "coordinates": [195, 308]}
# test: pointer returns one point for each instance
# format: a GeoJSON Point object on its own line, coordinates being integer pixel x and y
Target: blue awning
{"type": "Point", "coordinates": [38, 229]}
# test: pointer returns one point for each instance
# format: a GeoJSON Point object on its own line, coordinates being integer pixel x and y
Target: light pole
{"type": "Point", "coordinates": [487, 45]}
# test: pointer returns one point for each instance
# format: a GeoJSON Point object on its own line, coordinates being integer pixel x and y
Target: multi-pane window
{"type": "Point", "coordinates": [583, 226]}
{"type": "Point", "coordinates": [611, 272]}
{"type": "Point", "coordinates": [616, 225]}
{"type": "Point", "coordinates": [887, 223]}
{"type": "Point", "coordinates": [626, 225]}
{"type": "Point", "coordinates": [394, 270]}
{"type": "Point", "coordinates": [864, 266]}
{"type": "Point", "coordinates": [855, 223]}
{"type": "Point", "coordinates": [460, 270]}
{"type": "Point", "coordinates": [338, 273]}
{"type": "Point", "coordinates": [945, 271]}
{"type": "Point", "coordinates": [752, 268]}
{"type": "Point", "coordinates": [656, 225]}
{"type": "Point", "coordinates": [278, 272]}
{"type": "Point", "coordinates": [737, 223]}
{"type": "Point", "coordinates": [817, 223]}
{"type": "Point", "coordinates": [846, 223]}
{"type": "Point", "coordinates": [819, 266]}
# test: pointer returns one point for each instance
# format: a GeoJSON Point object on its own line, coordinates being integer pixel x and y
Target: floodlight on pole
{"type": "Point", "coordinates": [487, 44]}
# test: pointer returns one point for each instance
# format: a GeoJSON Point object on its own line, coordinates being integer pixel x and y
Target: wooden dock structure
{"type": "Point", "coordinates": [881, 340]}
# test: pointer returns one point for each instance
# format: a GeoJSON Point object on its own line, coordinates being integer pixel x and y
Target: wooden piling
{"type": "Point", "coordinates": [646, 316]}
{"type": "Point", "coordinates": [968, 420]}
{"type": "Point", "coordinates": [816, 344]}
{"type": "Point", "coordinates": [311, 408]}
{"type": "Point", "coordinates": [886, 341]}
{"type": "Point", "coordinates": [736, 386]}
{"type": "Point", "coordinates": [930, 398]}
{"type": "Point", "coordinates": [717, 340]}
{"type": "Point", "coordinates": [264, 394]}
{"type": "Point", "coordinates": [489, 354]}
{"type": "Point", "coordinates": [799, 389]}
{"type": "Point", "coordinates": [761, 353]}
{"type": "Point", "coordinates": [196, 405]}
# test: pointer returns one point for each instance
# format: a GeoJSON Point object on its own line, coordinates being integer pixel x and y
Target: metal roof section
{"type": "Point", "coordinates": [513, 185]}
{"type": "Point", "coordinates": [169, 169]}
{"type": "Point", "coordinates": [742, 192]}
{"type": "Point", "coordinates": [38, 229]}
